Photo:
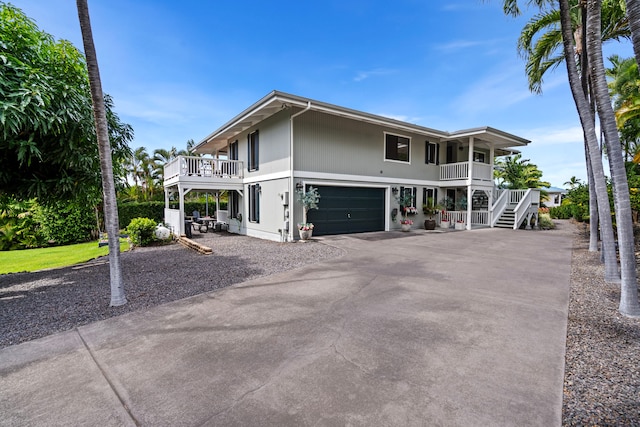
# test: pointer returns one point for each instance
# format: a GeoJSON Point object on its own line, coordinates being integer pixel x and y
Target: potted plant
{"type": "Point", "coordinates": [430, 209]}
{"type": "Point", "coordinates": [405, 200]}
{"type": "Point", "coordinates": [309, 200]}
{"type": "Point", "coordinates": [444, 219]}
{"type": "Point", "coordinates": [460, 224]}
{"type": "Point", "coordinates": [406, 224]}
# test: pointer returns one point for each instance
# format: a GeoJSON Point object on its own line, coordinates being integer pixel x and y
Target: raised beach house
{"type": "Point", "coordinates": [359, 162]}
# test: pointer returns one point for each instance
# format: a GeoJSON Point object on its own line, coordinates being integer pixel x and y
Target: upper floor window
{"type": "Point", "coordinates": [253, 143]}
{"type": "Point", "coordinates": [396, 147]}
{"type": "Point", "coordinates": [432, 153]}
{"type": "Point", "coordinates": [233, 150]}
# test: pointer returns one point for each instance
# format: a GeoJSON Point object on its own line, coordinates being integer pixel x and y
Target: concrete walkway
{"type": "Point", "coordinates": [463, 328]}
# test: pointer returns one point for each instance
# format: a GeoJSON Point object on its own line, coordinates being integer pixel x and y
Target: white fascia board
{"type": "Point", "coordinates": [364, 180]}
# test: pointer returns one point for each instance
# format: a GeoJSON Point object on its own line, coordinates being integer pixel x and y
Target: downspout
{"type": "Point", "coordinates": [291, 177]}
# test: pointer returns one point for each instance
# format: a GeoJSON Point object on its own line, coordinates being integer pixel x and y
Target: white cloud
{"type": "Point", "coordinates": [362, 75]}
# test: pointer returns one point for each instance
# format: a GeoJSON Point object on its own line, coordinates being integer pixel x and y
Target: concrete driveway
{"type": "Point", "coordinates": [464, 328]}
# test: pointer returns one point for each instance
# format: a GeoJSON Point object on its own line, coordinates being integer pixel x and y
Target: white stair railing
{"type": "Point", "coordinates": [499, 207]}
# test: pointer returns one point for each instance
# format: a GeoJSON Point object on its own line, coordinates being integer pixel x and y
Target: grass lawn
{"type": "Point", "coordinates": [60, 256]}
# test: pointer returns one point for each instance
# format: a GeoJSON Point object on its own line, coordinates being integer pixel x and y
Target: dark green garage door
{"type": "Point", "coordinates": [348, 210]}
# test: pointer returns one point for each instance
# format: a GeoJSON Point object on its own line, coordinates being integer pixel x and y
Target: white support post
{"type": "Point", "coordinates": [181, 229]}
{"type": "Point", "coordinates": [469, 182]}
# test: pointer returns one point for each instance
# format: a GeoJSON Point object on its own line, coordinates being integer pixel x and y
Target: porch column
{"type": "Point", "coordinates": [181, 216]}
{"type": "Point", "coordinates": [469, 182]}
{"type": "Point", "coordinates": [492, 153]}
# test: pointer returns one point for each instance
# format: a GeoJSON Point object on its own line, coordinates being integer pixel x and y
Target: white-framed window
{"type": "Point", "coordinates": [253, 142]}
{"type": "Point", "coordinates": [254, 203]}
{"type": "Point", "coordinates": [430, 193]}
{"type": "Point", "coordinates": [479, 157]}
{"type": "Point", "coordinates": [397, 148]}
{"type": "Point", "coordinates": [431, 153]}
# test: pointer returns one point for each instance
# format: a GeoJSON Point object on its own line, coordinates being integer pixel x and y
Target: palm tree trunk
{"type": "Point", "coordinates": [633, 13]}
{"type": "Point", "coordinates": [104, 148]}
{"type": "Point", "coordinates": [629, 283]}
{"type": "Point", "coordinates": [588, 126]}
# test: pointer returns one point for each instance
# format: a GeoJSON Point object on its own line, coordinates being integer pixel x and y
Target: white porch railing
{"type": "Point", "coordinates": [477, 217]}
{"type": "Point", "coordinates": [530, 200]}
{"type": "Point", "coordinates": [203, 167]}
{"type": "Point", "coordinates": [460, 170]}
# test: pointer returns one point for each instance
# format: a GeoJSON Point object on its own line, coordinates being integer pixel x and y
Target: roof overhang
{"type": "Point", "coordinates": [503, 142]}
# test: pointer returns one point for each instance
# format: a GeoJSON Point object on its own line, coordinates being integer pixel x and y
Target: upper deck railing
{"type": "Point", "coordinates": [205, 167]}
{"type": "Point", "coordinates": [460, 170]}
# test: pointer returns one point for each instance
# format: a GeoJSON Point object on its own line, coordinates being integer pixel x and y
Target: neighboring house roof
{"type": "Point", "coordinates": [277, 101]}
{"type": "Point", "coordinates": [556, 190]}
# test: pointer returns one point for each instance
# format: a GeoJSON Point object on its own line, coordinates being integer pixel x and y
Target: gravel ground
{"type": "Point", "coordinates": [602, 370]}
{"type": "Point", "coordinates": [602, 362]}
{"type": "Point", "coordinates": [34, 305]}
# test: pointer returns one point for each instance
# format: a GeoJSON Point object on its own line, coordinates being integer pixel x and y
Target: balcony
{"type": "Point", "coordinates": [203, 170]}
{"type": "Point", "coordinates": [482, 172]}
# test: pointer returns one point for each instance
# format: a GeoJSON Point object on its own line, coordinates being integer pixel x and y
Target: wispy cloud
{"type": "Point", "coordinates": [362, 75]}
{"type": "Point", "coordinates": [457, 45]}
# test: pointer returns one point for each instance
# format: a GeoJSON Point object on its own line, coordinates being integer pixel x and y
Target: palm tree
{"type": "Point", "coordinates": [104, 148]}
{"type": "Point", "coordinates": [633, 13]}
{"type": "Point", "coordinates": [629, 283]}
{"type": "Point", "coordinates": [544, 52]}
{"type": "Point", "coordinates": [573, 182]}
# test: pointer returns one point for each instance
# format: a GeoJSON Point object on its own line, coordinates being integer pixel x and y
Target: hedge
{"type": "Point", "coordinates": [155, 210]}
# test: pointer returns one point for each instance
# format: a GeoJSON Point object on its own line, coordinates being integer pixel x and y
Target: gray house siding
{"type": "Point", "coordinates": [273, 146]}
{"type": "Point", "coordinates": [272, 210]}
{"type": "Point", "coordinates": [330, 144]}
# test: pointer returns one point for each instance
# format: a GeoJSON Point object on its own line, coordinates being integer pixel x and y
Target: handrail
{"type": "Point", "coordinates": [522, 208]}
{"type": "Point", "coordinates": [499, 207]}
{"type": "Point", "coordinates": [460, 170]}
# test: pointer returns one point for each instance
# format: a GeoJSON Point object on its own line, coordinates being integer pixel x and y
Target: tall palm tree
{"type": "Point", "coordinates": [104, 148]}
{"type": "Point", "coordinates": [541, 45]}
{"type": "Point", "coordinates": [588, 125]}
{"type": "Point", "coordinates": [633, 13]}
{"type": "Point", "coordinates": [629, 282]}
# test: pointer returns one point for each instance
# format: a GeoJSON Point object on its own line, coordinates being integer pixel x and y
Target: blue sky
{"type": "Point", "coordinates": [179, 70]}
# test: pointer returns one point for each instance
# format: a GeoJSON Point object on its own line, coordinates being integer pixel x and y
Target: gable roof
{"type": "Point", "coordinates": [276, 101]}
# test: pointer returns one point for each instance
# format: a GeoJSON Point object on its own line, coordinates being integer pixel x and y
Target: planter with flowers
{"type": "Point", "coordinates": [444, 220]}
{"type": "Point", "coordinates": [410, 210]}
{"type": "Point", "coordinates": [460, 225]}
{"type": "Point", "coordinates": [406, 224]}
{"type": "Point", "coordinates": [309, 200]}
{"type": "Point", "coordinates": [405, 200]}
{"type": "Point", "coordinates": [430, 209]}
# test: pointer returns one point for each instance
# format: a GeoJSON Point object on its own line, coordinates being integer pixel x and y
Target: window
{"type": "Point", "coordinates": [234, 204]}
{"type": "Point", "coordinates": [432, 153]}
{"type": "Point", "coordinates": [396, 148]}
{"type": "Point", "coordinates": [254, 203]}
{"type": "Point", "coordinates": [233, 150]}
{"type": "Point", "coordinates": [430, 193]}
{"type": "Point", "coordinates": [478, 157]}
{"type": "Point", "coordinates": [408, 195]}
{"type": "Point", "coordinates": [253, 143]}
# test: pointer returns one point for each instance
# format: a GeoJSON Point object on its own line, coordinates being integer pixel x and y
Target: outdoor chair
{"type": "Point", "coordinates": [198, 223]}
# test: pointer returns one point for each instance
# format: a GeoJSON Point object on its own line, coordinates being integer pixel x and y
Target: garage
{"type": "Point", "coordinates": [344, 210]}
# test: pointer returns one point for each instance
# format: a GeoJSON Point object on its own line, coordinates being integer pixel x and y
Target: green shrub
{"type": "Point", "coordinates": [128, 211]}
{"type": "Point", "coordinates": [63, 223]}
{"type": "Point", "coordinates": [18, 228]}
{"type": "Point", "coordinates": [142, 231]}
{"type": "Point", "coordinates": [545, 222]}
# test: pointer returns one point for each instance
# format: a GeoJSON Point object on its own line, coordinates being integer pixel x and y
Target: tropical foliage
{"type": "Point", "coordinates": [48, 146]}
{"type": "Point", "coordinates": [514, 172]}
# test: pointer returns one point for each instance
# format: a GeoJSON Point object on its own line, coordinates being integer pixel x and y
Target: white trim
{"type": "Point", "coordinates": [384, 148]}
{"type": "Point", "coordinates": [365, 178]}
{"type": "Point", "coordinates": [266, 235]}
{"type": "Point", "coordinates": [267, 177]}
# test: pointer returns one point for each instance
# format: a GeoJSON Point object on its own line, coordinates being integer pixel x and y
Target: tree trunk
{"type": "Point", "coordinates": [633, 13]}
{"type": "Point", "coordinates": [629, 282]}
{"type": "Point", "coordinates": [104, 148]}
{"type": "Point", "coordinates": [588, 126]}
